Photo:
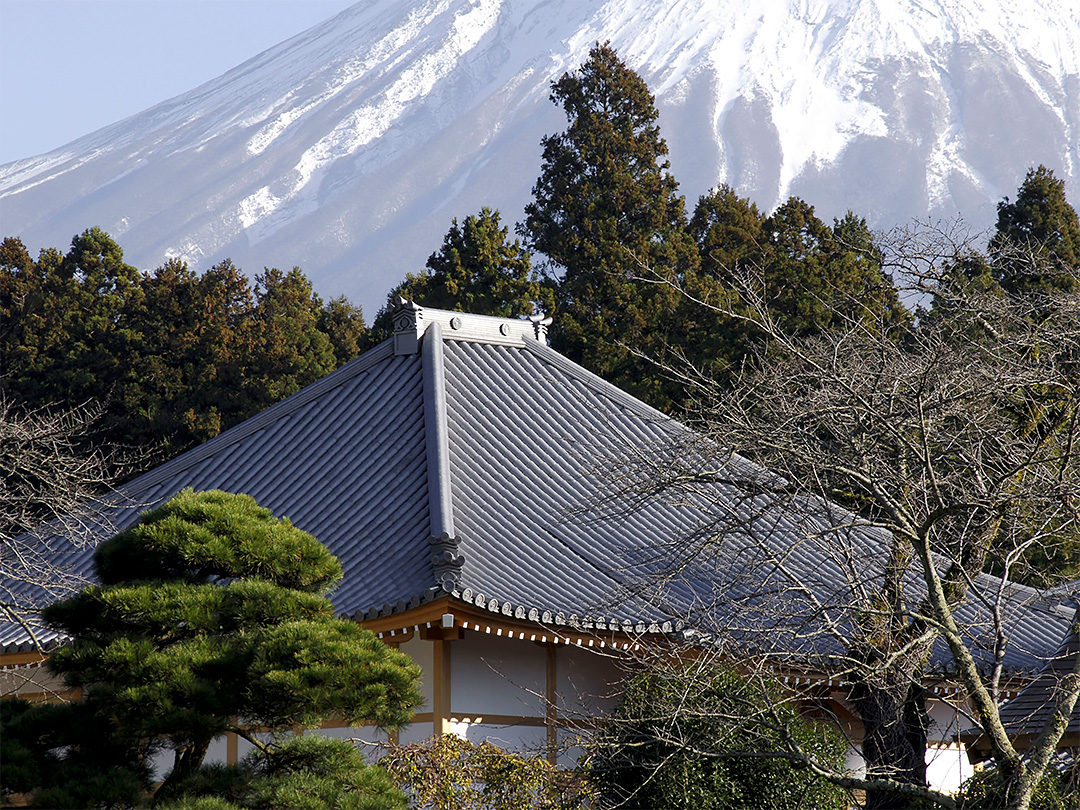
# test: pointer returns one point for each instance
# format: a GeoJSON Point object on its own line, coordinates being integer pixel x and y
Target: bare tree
{"type": "Point", "coordinates": [879, 472]}
{"type": "Point", "coordinates": [55, 496]}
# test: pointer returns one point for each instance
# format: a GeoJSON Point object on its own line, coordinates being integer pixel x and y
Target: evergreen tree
{"type": "Point", "coordinates": [606, 211]}
{"type": "Point", "coordinates": [65, 755]}
{"type": "Point", "coordinates": [305, 773]}
{"type": "Point", "coordinates": [1032, 261]}
{"type": "Point", "coordinates": [289, 349]}
{"type": "Point", "coordinates": [173, 357]}
{"type": "Point", "coordinates": [797, 285]}
{"type": "Point", "coordinates": [728, 231]}
{"type": "Point", "coordinates": [857, 260]}
{"type": "Point", "coordinates": [343, 323]}
{"type": "Point", "coordinates": [476, 270]}
{"type": "Point", "coordinates": [211, 617]}
{"type": "Point", "coordinates": [67, 341]}
{"type": "Point", "coordinates": [1039, 225]}
{"type": "Point", "coordinates": [197, 343]}
{"type": "Point", "coordinates": [818, 277]}
{"type": "Point", "coordinates": [811, 277]}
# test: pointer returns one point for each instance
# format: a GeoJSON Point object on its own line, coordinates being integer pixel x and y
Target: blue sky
{"type": "Point", "coordinates": [68, 67]}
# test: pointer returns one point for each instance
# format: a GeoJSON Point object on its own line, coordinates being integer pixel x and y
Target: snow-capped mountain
{"type": "Point", "coordinates": [347, 149]}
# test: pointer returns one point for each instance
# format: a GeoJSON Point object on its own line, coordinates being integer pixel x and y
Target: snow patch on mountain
{"type": "Point", "coordinates": [348, 148]}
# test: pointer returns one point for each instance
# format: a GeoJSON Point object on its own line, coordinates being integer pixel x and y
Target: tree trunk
{"type": "Point", "coordinates": [188, 760]}
{"type": "Point", "coordinates": [895, 726]}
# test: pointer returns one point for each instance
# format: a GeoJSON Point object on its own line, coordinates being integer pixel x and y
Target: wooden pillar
{"type": "Point", "coordinates": [440, 638]}
{"type": "Point", "coordinates": [232, 748]}
{"type": "Point", "coordinates": [551, 703]}
{"type": "Point", "coordinates": [394, 735]}
{"type": "Point", "coordinates": [441, 687]}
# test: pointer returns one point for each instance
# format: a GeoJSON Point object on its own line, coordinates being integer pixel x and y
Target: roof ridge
{"type": "Point", "coordinates": [436, 434]}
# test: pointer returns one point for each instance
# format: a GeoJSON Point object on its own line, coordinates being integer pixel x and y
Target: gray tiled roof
{"type": "Point", "coordinates": [463, 468]}
{"type": "Point", "coordinates": [1027, 713]}
{"type": "Point", "coordinates": [1025, 716]}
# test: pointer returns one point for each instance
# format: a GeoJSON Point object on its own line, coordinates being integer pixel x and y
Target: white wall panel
{"type": "Point", "coordinates": [588, 681]}
{"type": "Point", "coordinates": [494, 675]}
{"type": "Point", "coordinates": [420, 651]}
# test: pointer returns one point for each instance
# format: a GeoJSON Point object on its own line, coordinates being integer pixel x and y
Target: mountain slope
{"type": "Point", "coordinates": [348, 148]}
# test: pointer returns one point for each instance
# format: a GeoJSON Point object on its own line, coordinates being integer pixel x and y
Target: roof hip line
{"type": "Point", "coordinates": [440, 504]}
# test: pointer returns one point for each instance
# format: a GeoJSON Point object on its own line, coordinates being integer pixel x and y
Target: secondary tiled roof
{"type": "Point", "coordinates": [1027, 713]}
{"type": "Point", "coordinates": [464, 457]}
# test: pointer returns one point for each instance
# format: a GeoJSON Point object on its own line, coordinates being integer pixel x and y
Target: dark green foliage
{"type": "Point", "coordinates": [216, 535]}
{"type": "Point", "coordinates": [728, 231]}
{"type": "Point", "coordinates": [986, 791]}
{"type": "Point", "coordinates": [808, 276]}
{"type": "Point", "coordinates": [173, 357]}
{"type": "Point", "coordinates": [289, 351]}
{"type": "Point", "coordinates": [67, 340]}
{"type": "Point", "coordinates": [212, 609]}
{"type": "Point", "coordinates": [619, 251]}
{"type": "Point", "coordinates": [865, 292]}
{"type": "Point", "coordinates": [818, 277]}
{"type": "Point", "coordinates": [476, 270]}
{"type": "Point", "coordinates": [1041, 225]}
{"type": "Point", "coordinates": [344, 325]}
{"type": "Point", "coordinates": [692, 736]}
{"type": "Point", "coordinates": [304, 773]}
{"type": "Point", "coordinates": [64, 755]}
{"type": "Point", "coordinates": [606, 212]}
{"type": "Point", "coordinates": [1031, 270]}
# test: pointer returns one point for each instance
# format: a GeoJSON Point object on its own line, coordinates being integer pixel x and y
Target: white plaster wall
{"type": "Point", "coordinates": [572, 743]}
{"type": "Point", "coordinates": [31, 681]}
{"type": "Point", "coordinates": [421, 652]}
{"type": "Point", "coordinates": [495, 675]}
{"type": "Point", "coordinates": [523, 739]}
{"type": "Point", "coordinates": [946, 721]}
{"type": "Point", "coordinates": [163, 760]}
{"type": "Point", "coordinates": [947, 764]}
{"type": "Point", "coordinates": [854, 762]}
{"type": "Point", "coordinates": [163, 763]}
{"type": "Point", "coordinates": [416, 732]}
{"type": "Point", "coordinates": [589, 681]}
{"type": "Point", "coordinates": [947, 767]}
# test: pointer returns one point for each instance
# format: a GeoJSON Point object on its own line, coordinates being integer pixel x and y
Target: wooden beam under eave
{"type": "Point", "coordinates": [21, 659]}
{"type": "Point", "coordinates": [476, 619]}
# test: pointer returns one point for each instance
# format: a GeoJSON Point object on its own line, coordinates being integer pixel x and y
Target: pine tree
{"type": "Point", "coordinates": [1039, 224]}
{"type": "Point", "coordinates": [211, 617]}
{"type": "Point", "coordinates": [606, 211]}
